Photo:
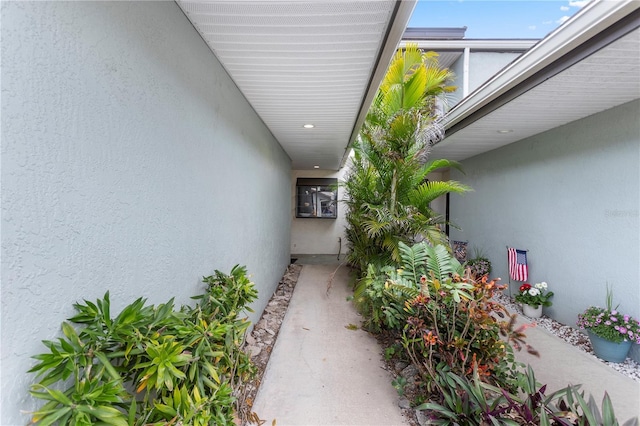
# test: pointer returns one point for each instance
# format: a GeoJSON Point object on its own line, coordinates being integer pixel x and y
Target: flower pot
{"type": "Point", "coordinates": [608, 350]}
{"type": "Point", "coordinates": [531, 311]}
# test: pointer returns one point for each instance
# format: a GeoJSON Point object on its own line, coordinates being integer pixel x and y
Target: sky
{"type": "Point", "coordinates": [496, 19]}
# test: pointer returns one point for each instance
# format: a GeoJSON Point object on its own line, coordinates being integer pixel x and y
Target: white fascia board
{"type": "Point", "coordinates": [588, 22]}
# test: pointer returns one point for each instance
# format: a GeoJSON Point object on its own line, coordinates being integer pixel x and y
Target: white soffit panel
{"type": "Point", "coordinates": [603, 80]}
{"type": "Point", "coordinates": [300, 62]}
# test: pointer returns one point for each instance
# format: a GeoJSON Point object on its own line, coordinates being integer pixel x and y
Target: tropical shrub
{"type": "Point", "coordinates": [443, 316]}
{"type": "Point", "coordinates": [388, 194]}
{"type": "Point", "coordinates": [453, 321]}
{"type": "Point", "coordinates": [149, 364]}
{"type": "Point", "coordinates": [470, 401]}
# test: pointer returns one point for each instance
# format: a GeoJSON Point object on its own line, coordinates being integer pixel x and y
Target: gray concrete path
{"type": "Point", "coordinates": [561, 364]}
{"type": "Point", "coordinates": [320, 371]}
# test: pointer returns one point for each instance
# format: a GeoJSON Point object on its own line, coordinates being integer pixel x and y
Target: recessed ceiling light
{"type": "Point", "coordinates": [316, 167]}
{"type": "Point", "coordinates": [505, 131]}
{"type": "Point", "coordinates": [308, 126]}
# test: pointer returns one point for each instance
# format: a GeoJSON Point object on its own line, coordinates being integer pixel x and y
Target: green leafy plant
{"type": "Point", "coordinates": [150, 364]}
{"type": "Point", "coordinates": [399, 383]}
{"type": "Point", "coordinates": [388, 193]}
{"type": "Point", "coordinates": [470, 401]}
{"type": "Point", "coordinates": [442, 315]}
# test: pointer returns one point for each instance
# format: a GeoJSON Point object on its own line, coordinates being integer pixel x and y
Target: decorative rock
{"type": "Point", "coordinates": [404, 403]}
{"type": "Point", "coordinates": [421, 418]}
{"type": "Point", "coordinates": [409, 371]}
{"type": "Point", "coordinates": [253, 351]}
{"type": "Point", "coordinates": [271, 332]}
{"type": "Point", "coordinates": [250, 340]}
{"type": "Point", "coordinates": [400, 365]}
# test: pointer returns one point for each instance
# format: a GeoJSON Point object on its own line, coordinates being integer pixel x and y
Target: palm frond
{"type": "Point", "coordinates": [429, 191]}
{"type": "Point", "coordinates": [439, 164]}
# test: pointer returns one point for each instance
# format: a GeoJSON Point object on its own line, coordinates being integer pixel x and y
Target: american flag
{"type": "Point", "coordinates": [518, 270]}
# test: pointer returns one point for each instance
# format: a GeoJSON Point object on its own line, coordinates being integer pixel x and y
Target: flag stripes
{"type": "Point", "coordinates": [518, 270]}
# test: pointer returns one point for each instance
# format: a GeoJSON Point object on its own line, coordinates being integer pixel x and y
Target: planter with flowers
{"type": "Point", "coordinates": [611, 333]}
{"type": "Point", "coordinates": [533, 298]}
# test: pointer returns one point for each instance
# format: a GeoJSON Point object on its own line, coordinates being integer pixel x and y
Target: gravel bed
{"type": "Point", "coordinates": [629, 368]}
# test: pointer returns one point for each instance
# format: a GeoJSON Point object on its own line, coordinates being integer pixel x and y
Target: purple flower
{"type": "Point", "coordinates": [614, 312]}
{"type": "Point", "coordinates": [609, 323]}
{"type": "Point", "coordinates": [614, 319]}
{"type": "Point", "coordinates": [623, 330]}
{"type": "Point", "coordinates": [626, 318]}
{"type": "Point", "coordinates": [616, 327]}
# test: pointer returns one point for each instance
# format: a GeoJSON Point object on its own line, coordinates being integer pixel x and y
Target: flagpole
{"type": "Point", "coordinates": [508, 274]}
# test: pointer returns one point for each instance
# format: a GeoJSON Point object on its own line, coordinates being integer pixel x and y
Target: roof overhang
{"type": "Point", "coordinates": [305, 62]}
{"type": "Point", "coordinates": [588, 65]}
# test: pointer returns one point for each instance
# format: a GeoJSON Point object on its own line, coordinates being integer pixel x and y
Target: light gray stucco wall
{"type": "Point", "coordinates": [570, 196]}
{"type": "Point", "coordinates": [130, 163]}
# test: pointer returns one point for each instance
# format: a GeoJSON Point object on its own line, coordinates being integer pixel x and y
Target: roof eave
{"type": "Point", "coordinates": [399, 22]}
{"type": "Point", "coordinates": [588, 22]}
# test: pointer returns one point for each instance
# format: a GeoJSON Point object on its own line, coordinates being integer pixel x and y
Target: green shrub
{"type": "Point", "coordinates": [442, 315]}
{"type": "Point", "coordinates": [467, 400]}
{"type": "Point", "coordinates": [150, 364]}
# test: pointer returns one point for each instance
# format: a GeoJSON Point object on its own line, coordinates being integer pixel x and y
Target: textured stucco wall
{"type": "Point", "coordinates": [318, 236]}
{"type": "Point", "coordinates": [570, 196]}
{"type": "Point", "coordinates": [130, 163]}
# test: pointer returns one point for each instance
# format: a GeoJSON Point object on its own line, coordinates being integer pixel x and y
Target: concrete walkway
{"type": "Point", "coordinates": [561, 364]}
{"type": "Point", "coordinates": [323, 373]}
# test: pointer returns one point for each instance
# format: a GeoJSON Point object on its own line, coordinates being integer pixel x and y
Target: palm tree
{"type": "Point", "coordinates": [388, 194]}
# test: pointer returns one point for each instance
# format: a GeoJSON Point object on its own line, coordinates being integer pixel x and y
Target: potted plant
{"type": "Point", "coordinates": [611, 333]}
{"type": "Point", "coordinates": [534, 298]}
{"type": "Point", "coordinates": [480, 265]}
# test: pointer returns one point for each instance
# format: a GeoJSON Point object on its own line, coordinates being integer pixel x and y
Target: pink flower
{"type": "Point", "coordinates": [614, 319]}
{"type": "Point", "coordinates": [608, 323]}
{"type": "Point", "coordinates": [623, 330]}
{"type": "Point", "coordinates": [614, 312]}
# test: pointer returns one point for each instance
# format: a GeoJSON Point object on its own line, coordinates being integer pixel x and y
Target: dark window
{"type": "Point", "coordinates": [317, 198]}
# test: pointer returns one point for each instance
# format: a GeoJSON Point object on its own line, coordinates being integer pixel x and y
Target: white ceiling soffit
{"type": "Point", "coordinates": [586, 66]}
{"type": "Point", "coordinates": [305, 62]}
